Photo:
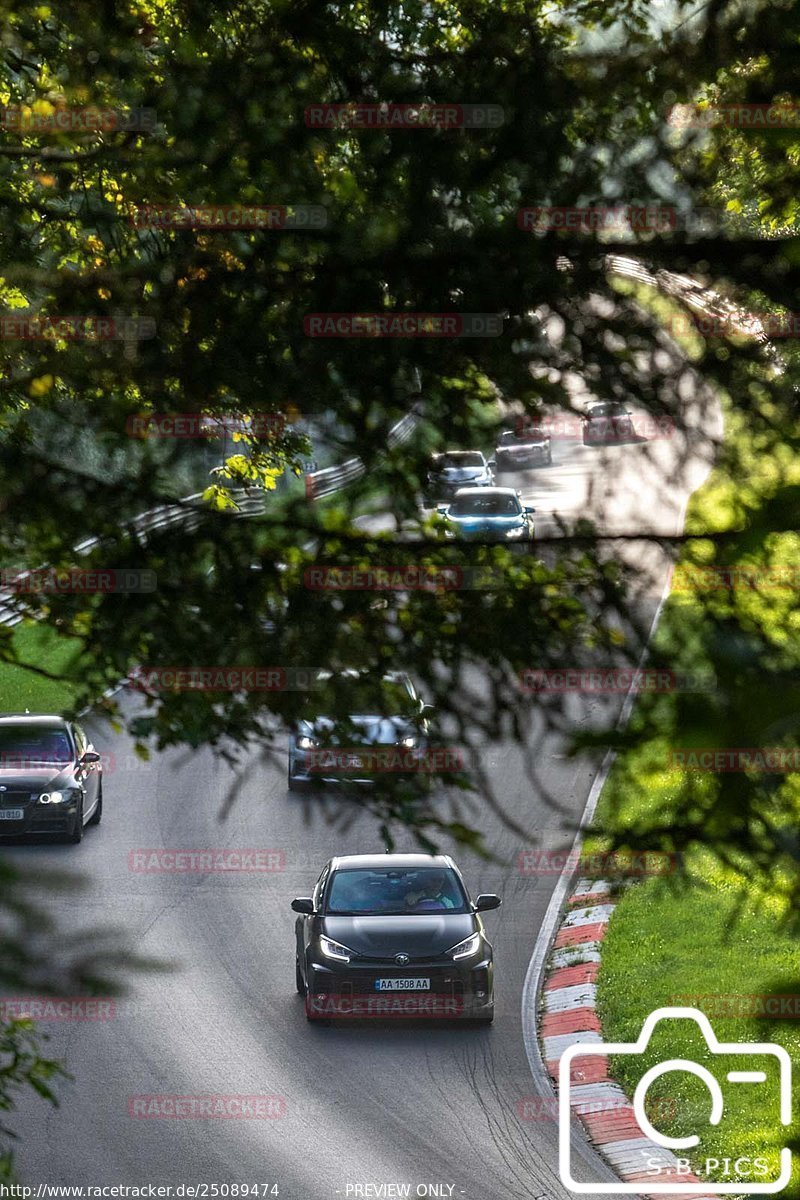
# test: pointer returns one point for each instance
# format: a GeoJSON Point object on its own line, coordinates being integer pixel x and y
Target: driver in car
{"type": "Point", "coordinates": [434, 894]}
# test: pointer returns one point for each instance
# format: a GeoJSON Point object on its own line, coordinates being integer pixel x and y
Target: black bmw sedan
{"type": "Point", "coordinates": [50, 777]}
{"type": "Point", "coordinates": [394, 935]}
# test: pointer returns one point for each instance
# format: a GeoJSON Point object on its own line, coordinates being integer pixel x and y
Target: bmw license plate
{"type": "Point", "coordinates": [402, 985]}
{"type": "Point", "coordinates": [11, 814]}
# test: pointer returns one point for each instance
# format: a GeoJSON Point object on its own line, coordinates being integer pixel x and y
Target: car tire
{"type": "Point", "coordinates": [298, 978]}
{"type": "Point", "coordinates": [97, 815]}
{"type": "Point", "coordinates": [294, 784]}
{"type": "Point", "coordinates": [481, 1022]}
{"type": "Point", "coordinates": [75, 836]}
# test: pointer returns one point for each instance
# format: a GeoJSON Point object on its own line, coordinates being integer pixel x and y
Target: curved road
{"type": "Point", "coordinates": [367, 1105]}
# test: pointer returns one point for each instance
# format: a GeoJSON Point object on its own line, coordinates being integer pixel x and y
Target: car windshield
{"type": "Point", "coordinates": [351, 695]}
{"type": "Point", "coordinates": [384, 892]}
{"type": "Point", "coordinates": [493, 505]}
{"type": "Point", "coordinates": [608, 410]}
{"type": "Point", "coordinates": [458, 459]}
{"type": "Point", "coordinates": [22, 744]}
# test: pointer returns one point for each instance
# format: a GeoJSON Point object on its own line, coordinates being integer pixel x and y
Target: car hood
{"type": "Point", "coordinates": [372, 730]}
{"type": "Point", "coordinates": [422, 936]}
{"type": "Point", "coordinates": [37, 779]}
{"type": "Point", "coordinates": [487, 524]}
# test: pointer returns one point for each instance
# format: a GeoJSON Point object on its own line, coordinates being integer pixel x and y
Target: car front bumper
{"type": "Point", "coordinates": [455, 992]}
{"type": "Point", "coordinates": [41, 819]}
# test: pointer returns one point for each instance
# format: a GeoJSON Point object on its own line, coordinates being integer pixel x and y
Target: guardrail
{"type": "Point", "coordinates": [332, 479]}
{"type": "Point", "coordinates": [189, 511]}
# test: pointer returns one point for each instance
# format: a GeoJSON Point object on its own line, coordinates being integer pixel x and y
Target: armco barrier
{"type": "Point", "coordinates": [189, 512]}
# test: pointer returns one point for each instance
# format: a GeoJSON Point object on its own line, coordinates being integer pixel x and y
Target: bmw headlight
{"type": "Point", "coordinates": [57, 797]}
{"type": "Point", "coordinates": [516, 532]}
{"type": "Point", "coordinates": [336, 950]}
{"type": "Point", "coordinates": [467, 948]}
{"type": "Point", "coordinates": [409, 742]}
{"type": "Point", "coordinates": [304, 742]}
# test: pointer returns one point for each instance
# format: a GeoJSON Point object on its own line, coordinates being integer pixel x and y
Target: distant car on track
{"type": "Point", "coordinates": [456, 469]}
{"type": "Point", "coordinates": [379, 714]}
{"type": "Point", "coordinates": [525, 447]}
{"type": "Point", "coordinates": [381, 926]}
{"type": "Point", "coordinates": [51, 778]}
{"type": "Point", "coordinates": [494, 514]}
{"type": "Point", "coordinates": [607, 422]}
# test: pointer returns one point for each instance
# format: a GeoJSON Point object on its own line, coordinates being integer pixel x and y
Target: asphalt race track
{"type": "Point", "coordinates": [377, 1103]}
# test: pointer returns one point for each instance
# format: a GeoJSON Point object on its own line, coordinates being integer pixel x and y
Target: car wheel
{"type": "Point", "coordinates": [75, 837]}
{"type": "Point", "coordinates": [97, 815]}
{"type": "Point", "coordinates": [481, 1021]}
{"type": "Point", "coordinates": [298, 978]}
{"type": "Point", "coordinates": [294, 784]}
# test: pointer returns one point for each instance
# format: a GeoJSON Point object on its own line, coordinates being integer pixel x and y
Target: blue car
{"type": "Point", "coordinates": [489, 515]}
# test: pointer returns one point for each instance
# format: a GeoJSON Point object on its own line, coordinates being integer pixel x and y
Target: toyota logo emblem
{"type": "Point", "coordinates": [401, 959]}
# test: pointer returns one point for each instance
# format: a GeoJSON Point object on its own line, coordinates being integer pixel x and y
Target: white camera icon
{"type": "Point", "coordinates": [659, 1143]}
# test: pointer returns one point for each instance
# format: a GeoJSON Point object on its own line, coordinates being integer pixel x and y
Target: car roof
{"type": "Point", "coordinates": [392, 861]}
{"type": "Point", "coordinates": [34, 719]}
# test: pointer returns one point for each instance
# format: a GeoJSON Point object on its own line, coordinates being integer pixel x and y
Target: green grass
{"type": "Point", "coordinates": [20, 688]}
{"type": "Point", "coordinates": [719, 933]}
{"type": "Point", "coordinates": [693, 949]}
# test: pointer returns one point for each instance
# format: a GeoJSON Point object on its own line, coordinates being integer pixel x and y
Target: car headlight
{"type": "Point", "coordinates": [332, 949]}
{"type": "Point", "coordinates": [516, 532]}
{"type": "Point", "coordinates": [57, 797]}
{"type": "Point", "coordinates": [409, 742]}
{"type": "Point", "coordinates": [450, 532]}
{"type": "Point", "coordinates": [305, 743]}
{"type": "Point", "coordinates": [467, 948]}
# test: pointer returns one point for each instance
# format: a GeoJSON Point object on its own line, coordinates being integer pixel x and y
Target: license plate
{"type": "Point", "coordinates": [11, 814]}
{"type": "Point", "coordinates": [402, 985]}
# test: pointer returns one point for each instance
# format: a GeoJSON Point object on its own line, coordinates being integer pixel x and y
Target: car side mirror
{"type": "Point", "coordinates": [91, 756]}
{"type": "Point", "coordinates": [303, 904]}
{"type": "Point", "coordinates": [442, 509]}
{"type": "Point", "coordinates": [528, 509]}
{"type": "Point", "coordinates": [426, 710]}
{"type": "Point", "coordinates": [487, 901]}
{"type": "Point", "coordinates": [492, 462]}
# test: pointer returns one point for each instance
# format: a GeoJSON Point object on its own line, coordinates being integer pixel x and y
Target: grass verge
{"type": "Point", "coordinates": [713, 939]}
{"type": "Point", "coordinates": [21, 687]}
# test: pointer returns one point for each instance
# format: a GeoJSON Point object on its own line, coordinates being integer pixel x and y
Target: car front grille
{"type": "Point", "coordinates": [17, 799]}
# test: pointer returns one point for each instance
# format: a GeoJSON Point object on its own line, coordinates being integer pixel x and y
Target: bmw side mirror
{"type": "Point", "coordinates": [91, 756]}
{"type": "Point", "coordinates": [492, 462]}
{"type": "Point", "coordinates": [303, 904]}
{"type": "Point", "coordinates": [426, 710]}
{"type": "Point", "coordinates": [528, 509]}
{"type": "Point", "coordinates": [441, 509]}
{"type": "Point", "coordinates": [487, 901]}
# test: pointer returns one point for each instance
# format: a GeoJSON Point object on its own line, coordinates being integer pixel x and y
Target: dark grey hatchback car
{"type": "Point", "coordinates": [50, 777]}
{"type": "Point", "coordinates": [394, 935]}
